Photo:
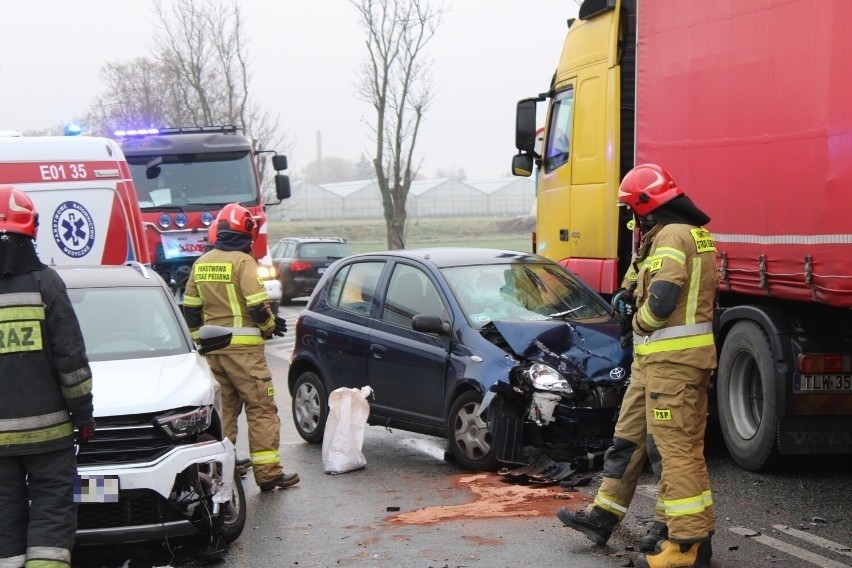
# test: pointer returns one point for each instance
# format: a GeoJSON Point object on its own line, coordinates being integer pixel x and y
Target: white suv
{"type": "Point", "coordinates": [158, 466]}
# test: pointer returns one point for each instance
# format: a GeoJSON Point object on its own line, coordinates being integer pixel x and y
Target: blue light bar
{"type": "Point", "coordinates": [136, 132]}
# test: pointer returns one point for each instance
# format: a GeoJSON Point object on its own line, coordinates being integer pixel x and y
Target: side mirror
{"type": "Point", "coordinates": [522, 165]}
{"type": "Point", "coordinates": [279, 162]}
{"type": "Point", "coordinates": [213, 337]}
{"type": "Point", "coordinates": [282, 187]}
{"type": "Point", "coordinates": [430, 324]}
{"type": "Point", "coordinates": [525, 125]}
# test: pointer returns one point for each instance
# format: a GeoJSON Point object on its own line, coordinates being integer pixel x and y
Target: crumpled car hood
{"type": "Point", "coordinates": [576, 349]}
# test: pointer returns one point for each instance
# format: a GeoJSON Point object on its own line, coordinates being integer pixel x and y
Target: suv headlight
{"type": "Point", "coordinates": [267, 272]}
{"type": "Point", "coordinates": [180, 425]}
{"type": "Point", "coordinates": [546, 378]}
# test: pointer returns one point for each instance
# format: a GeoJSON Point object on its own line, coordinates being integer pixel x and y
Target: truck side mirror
{"type": "Point", "coordinates": [279, 162]}
{"type": "Point", "coordinates": [522, 165]}
{"type": "Point", "coordinates": [525, 125]}
{"type": "Point", "coordinates": [282, 186]}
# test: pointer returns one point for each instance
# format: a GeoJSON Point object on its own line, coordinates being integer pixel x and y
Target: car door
{"type": "Point", "coordinates": [341, 330]}
{"type": "Point", "coordinates": [407, 368]}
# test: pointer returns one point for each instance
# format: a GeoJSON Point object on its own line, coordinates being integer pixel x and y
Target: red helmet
{"type": "Point", "coordinates": [647, 187]}
{"type": "Point", "coordinates": [17, 212]}
{"type": "Point", "coordinates": [234, 217]}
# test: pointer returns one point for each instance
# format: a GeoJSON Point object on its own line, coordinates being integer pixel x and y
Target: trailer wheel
{"type": "Point", "coordinates": [746, 394]}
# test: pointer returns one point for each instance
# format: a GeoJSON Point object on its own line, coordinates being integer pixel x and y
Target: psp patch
{"type": "Point", "coordinates": [73, 229]}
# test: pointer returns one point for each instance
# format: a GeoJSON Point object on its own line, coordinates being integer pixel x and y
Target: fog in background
{"type": "Point", "coordinates": [304, 57]}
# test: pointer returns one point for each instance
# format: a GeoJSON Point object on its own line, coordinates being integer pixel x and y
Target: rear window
{"type": "Point", "coordinates": [354, 286]}
{"type": "Point", "coordinates": [325, 251]}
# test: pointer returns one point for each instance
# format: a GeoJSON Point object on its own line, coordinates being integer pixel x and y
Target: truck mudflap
{"type": "Point", "coordinates": [815, 435]}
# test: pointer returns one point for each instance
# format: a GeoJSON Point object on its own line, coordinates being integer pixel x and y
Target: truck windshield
{"type": "Point", "coordinates": [194, 181]}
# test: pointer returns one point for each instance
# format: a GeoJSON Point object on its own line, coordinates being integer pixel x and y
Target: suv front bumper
{"type": "Point", "coordinates": [147, 508]}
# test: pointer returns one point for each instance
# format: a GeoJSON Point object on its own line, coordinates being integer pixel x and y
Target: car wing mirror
{"type": "Point", "coordinates": [430, 324]}
{"type": "Point", "coordinates": [213, 337]}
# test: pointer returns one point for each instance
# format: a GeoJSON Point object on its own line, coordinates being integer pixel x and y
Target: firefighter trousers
{"type": "Point", "coordinates": [38, 516]}
{"type": "Point", "coordinates": [625, 459]}
{"type": "Point", "coordinates": [246, 382]}
{"type": "Point", "coordinates": [676, 407]}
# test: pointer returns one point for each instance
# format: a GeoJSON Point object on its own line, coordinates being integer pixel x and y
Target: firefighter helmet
{"type": "Point", "coordinates": [646, 187]}
{"type": "Point", "coordinates": [236, 218]}
{"type": "Point", "coordinates": [17, 212]}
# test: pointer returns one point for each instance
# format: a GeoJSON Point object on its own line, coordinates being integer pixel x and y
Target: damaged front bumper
{"type": "Point", "coordinates": [177, 495]}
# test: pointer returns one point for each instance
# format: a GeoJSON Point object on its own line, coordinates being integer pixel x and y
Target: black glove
{"type": "Point", "coordinates": [85, 432]}
{"type": "Point", "coordinates": [624, 303]}
{"type": "Point", "coordinates": [280, 327]}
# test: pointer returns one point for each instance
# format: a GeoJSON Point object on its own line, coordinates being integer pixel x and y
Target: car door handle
{"type": "Point", "coordinates": [322, 335]}
{"type": "Point", "coordinates": [378, 351]}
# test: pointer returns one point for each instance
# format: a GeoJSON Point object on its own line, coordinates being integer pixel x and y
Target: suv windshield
{"type": "Point", "coordinates": [127, 323]}
{"type": "Point", "coordinates": [194, 180]}
{"type": "Point", "coordinates": [521, 292]}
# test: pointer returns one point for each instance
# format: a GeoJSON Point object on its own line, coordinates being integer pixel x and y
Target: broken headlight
{"type": "Point", "coordinates": [546, 378]}
{"type": "Point", "coordinates": [180, 425]}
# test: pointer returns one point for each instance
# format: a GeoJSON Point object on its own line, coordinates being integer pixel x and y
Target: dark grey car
{"type": "Point", "coordinates": [439, 334]}
{"type": "Point", "coordinates": [301, 262]}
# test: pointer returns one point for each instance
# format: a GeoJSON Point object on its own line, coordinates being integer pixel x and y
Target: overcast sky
{"type": "Point", "coordinates": [304, 55]}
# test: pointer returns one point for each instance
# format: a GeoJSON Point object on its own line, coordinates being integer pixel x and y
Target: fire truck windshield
{"type": "Point", "coordinates": [194, 181]}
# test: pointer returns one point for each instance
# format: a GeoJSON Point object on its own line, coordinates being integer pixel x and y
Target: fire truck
{"type": "Point", "coordinates": [183, 177]}
{"type": "Point", "coordinates": [746, 105]}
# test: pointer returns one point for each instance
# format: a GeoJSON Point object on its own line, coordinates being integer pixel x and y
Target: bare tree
{"type": "Point", "coordinates": [198, 75]}
{"type": "Point", "coordinates": [396, 81]}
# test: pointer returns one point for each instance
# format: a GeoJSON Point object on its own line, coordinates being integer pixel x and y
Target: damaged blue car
{"type": "Point", "coordinates": [503, 353]}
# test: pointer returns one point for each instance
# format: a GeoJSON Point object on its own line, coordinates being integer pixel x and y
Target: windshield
{"type": "Point", "coordinates": [521, 292]}
{"type": "Point", "coordinates": [127, 323]}
{"type": "Point", "coordinates": [194, 181]}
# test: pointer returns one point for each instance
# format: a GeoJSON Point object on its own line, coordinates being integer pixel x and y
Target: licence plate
{"type": "Point", "coordinates": [822, 383]}
{"type": "Point", "coordinates": [320, 270]}
{"type": "Point", "coordinates": [96, 489]}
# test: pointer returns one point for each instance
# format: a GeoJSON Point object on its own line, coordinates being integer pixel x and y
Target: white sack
{"type": "Point", "coordinates": [344, 430]}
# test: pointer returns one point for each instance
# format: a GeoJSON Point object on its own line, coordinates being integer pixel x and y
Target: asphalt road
{"type": "Point", "coordinates": [411, 507]}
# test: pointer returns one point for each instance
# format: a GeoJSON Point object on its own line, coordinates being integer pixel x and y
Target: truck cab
{"type": "Point", "coordinates": [184, 177]}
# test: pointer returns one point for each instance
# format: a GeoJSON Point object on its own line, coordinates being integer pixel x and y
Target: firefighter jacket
{"type": "Point", "coordinates": [675, 297]}
{"type": "Point", "coordinates": [45, 377]}
{"type": "Point", "coordinates": [224, 289]}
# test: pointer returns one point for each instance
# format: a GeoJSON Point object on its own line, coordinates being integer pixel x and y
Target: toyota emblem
{"type": "Point", "coordinates": [617, 373]}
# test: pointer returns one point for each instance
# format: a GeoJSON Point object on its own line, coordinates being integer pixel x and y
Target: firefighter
{"type": "Point", "coordinates": [224, 289]}
{"type": "Point", "coordinates": [46, 388]}
{"type": "Point", "coordinates": [664, 411]}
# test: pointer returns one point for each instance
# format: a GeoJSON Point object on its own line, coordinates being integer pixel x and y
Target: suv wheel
{"type": "Point", "coordinates": [470, 439]}
{"type": "Point", "coordinates": [310, 407]}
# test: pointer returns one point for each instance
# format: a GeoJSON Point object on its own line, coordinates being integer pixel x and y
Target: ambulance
{"type": "Point", "coordinates": [83, 192]}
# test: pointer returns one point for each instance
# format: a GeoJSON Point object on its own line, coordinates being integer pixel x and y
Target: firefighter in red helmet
{"type": "Point", "coordinates": [672, 289]}
{"type": "Point", "coordinates": [224, 289]}
{"type": "Point", "coordinates": [46, 393]}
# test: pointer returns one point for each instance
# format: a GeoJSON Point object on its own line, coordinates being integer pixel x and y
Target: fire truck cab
{"type": "Point", "coordinates": [184, 177]}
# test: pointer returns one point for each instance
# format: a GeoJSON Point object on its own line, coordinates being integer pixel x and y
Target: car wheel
{"type": "Point", "coordinates": [745, 387]}
{"type": "Point", "coordinates": [310, 407]}
{"type": "Point", "coordinates": [470, 439]}
{"type": "Point", "coordinates": [234, 512]}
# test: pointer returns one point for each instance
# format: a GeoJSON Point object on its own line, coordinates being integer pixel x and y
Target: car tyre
{"type": "Point", "coordinates": [310, 407]}
{"type": "Point", "coordinates": [234, 513]}
{"type": "Point", "coordinates": [746, 394]}
{"type": "Point", "coordinates": [471, 443]}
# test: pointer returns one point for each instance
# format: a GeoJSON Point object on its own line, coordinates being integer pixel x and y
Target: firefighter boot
{"type": "Point", "coordinates": [595, 523]}
{"type": "Point", "coordinates": [657, 532]}
{"type": "Point", "coordinates": [281, 482]}
{"type": "Point", "coordinates": [678, 555]}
